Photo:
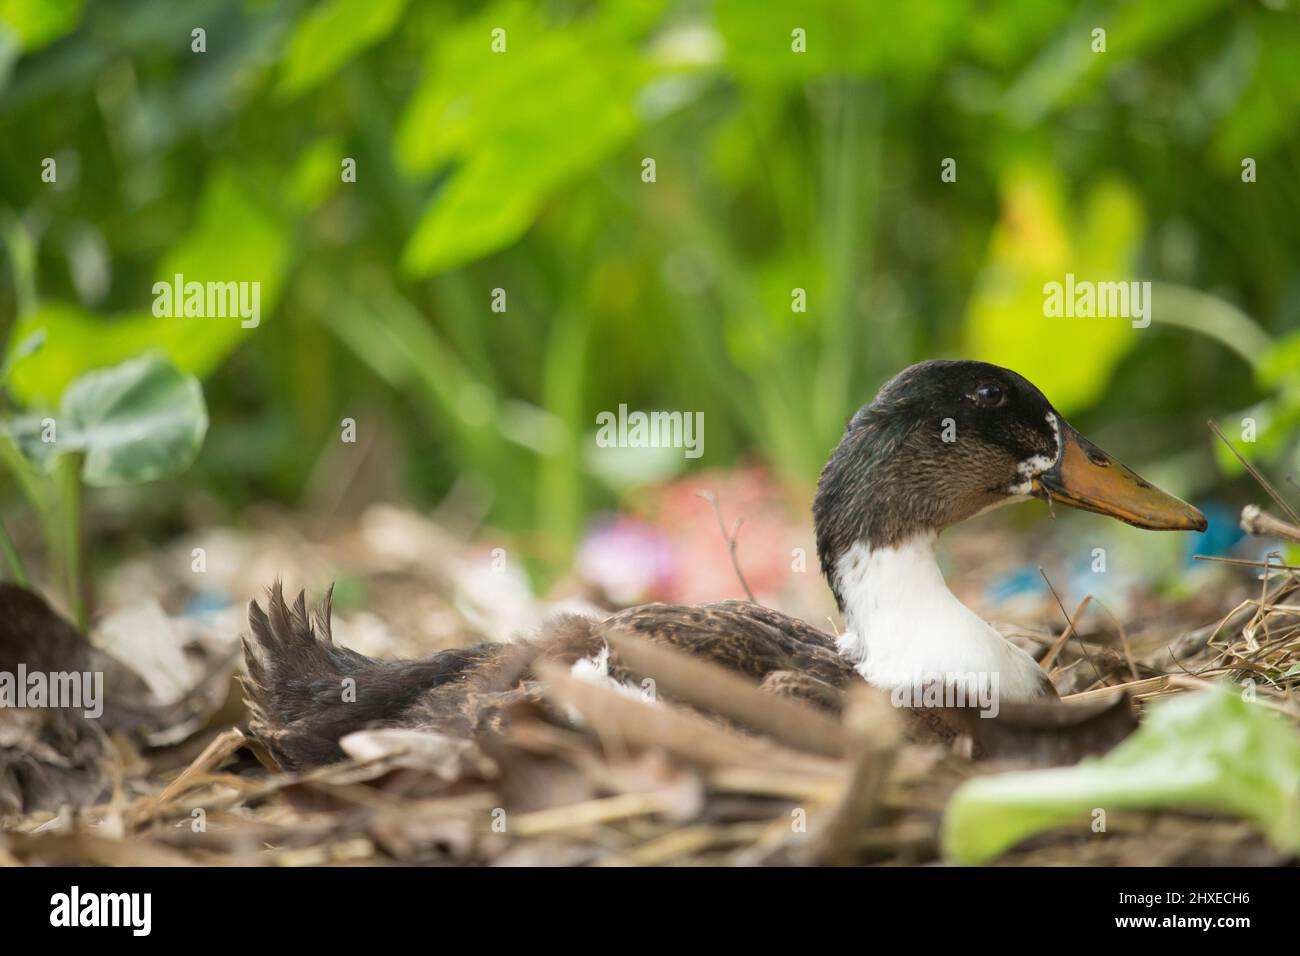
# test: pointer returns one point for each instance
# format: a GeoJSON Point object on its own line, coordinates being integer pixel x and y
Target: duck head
{"type": "Point", "coordinates": [944, 441]}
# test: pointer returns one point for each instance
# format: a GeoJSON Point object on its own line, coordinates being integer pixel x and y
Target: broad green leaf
{"type": "Point", "coordinates": [1208, 751]}
{"type": "Point", "coordinates": [134, 422]}
{"type": "Point", "coordinates": [78, 341]}
{"type": "Point", "coordinates": [1039, 240]}
{"type": "Point", "coordinates": [504, 161]}
{"type": "Point", "coordinates": [233, 240]}
{"type": "Point", "coordinates": [330, 35]}
{"type": "Point", "coordinates": [38, 23]}
{"type": "Point", "coordinates": [236, 238]}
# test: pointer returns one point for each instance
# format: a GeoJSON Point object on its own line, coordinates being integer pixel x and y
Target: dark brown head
{"type": "Point", "coordinates": [944, 441]}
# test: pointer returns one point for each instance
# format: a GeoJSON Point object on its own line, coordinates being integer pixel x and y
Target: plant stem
{"type": "Point", "coordinates": [68, 478]}
{"type": "Point", "coordinates": [11, 555]}
{"type": "Point", "coordinates": [37, 493]}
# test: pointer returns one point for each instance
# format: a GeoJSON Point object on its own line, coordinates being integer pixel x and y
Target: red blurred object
{"type": "Point", "coordinates": [674, 550]}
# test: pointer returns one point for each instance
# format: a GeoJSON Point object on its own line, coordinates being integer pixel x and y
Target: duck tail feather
{"type": "Point", "coordinates": [304, 692]}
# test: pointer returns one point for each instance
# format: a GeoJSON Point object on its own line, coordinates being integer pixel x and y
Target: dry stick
{"type": "Point", "coordinates": [80, 847]}
{"type": "Point", "coordinates": [213, 754]}
{"type": "Point", "coordinates": [1276, 608]}
{"type": "Point", "coordinates": [1144, 687]}
{"type": "Point", "coordinates": [1123, 639]}
{"type": "Point", "coordinates": [593, 812]}
{"type": "Point", "coordinates": [1246, 562]}
{"type": "Point", "coordinates": [1069, 625]}
{"type": "Point", "coordinates": [1261, 615]}
{"type": "Point", "coordinates": [772, 783]}
{"type": "Point", "coordinates": [1280, 591]}
{"type": "Point", "coordinates": [1050, 657]}
{"type": "Point", "coordinates": [724, 692]}
{"type": "Point", "coordinates": [872, 730]}
{"type": "Point", "coordinates": [684, 842]}
{"type": "Point", "coordinates": [1197, 683]}
{"type": "Point", "coordinates": [1255, 473]}
{"type": "Point", "coordinates": [1254, 520]}
{"type": "Point", "coordinates": [730, 539]}
{"type": "Point", "coordinates": [678, 731]}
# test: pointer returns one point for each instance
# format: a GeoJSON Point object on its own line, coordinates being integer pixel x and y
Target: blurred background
{"type": "Point", "coordinates": [517, 161]}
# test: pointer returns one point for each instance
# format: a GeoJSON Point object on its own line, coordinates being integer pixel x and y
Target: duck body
{"type": "Point", "coordinates": [295, 671]}
{"type": "Point", "coordinates": [941, 442]}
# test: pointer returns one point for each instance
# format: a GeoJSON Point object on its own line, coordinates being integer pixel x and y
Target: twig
{"type": "Point", "coordinates": [1144, 687]}
{"type": "Point", "coordinates": [213, 754]}
{"type": "Point", "coordinates": [1270, 565]}
{"type": "Point", "coordinates": [1052, 652]}
{"type": "Point", "coordinates": [594, 812]}
{"type": "Point", "coordinates": [1069, 625]}
{"type": "Point", "coordinates": [618, 719]}
{"type": "Point", "coordinates": [701, 684]}
{"type": "Point", "coordinates": [682, 843]}
{"type": "Point", "coordinates": [1123, 639]}
{"type": "Point", "coordinates": [872, 730]}
{"type": "Point", "coordinates": [730, 539]}
{"type": "Point", "coordinates": [1256, 521]}
{"type": "Point", "coordinates": [1255, 473]}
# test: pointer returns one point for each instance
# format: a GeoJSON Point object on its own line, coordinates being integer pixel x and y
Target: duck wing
{"type": "Point", "coordinates": [749, 638]}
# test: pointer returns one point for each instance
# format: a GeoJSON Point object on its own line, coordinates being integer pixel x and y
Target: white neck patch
{"type": "Point", "coordinates": [904, 626]}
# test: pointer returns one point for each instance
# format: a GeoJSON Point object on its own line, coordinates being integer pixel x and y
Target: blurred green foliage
{"type": "Point", "coordinates": [513, 160]}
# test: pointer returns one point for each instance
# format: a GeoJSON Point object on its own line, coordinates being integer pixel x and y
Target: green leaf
{"type": "Point", "coordinates": [79, 341]}
{"type": "Point", "coordinates": [38, 23]}
{"type": "Point", "coordinates": [234, 239]}
{"type": "Point", "coordinates": [1038, 240]}
{"type": "Point", "coordinates": [1209, 750]}
{"type": "Point", "coordinates": [330, 35]}
{"type": "Point", "coordinates": [504, 160]}
{"type": "Point", "coordinates": [134, 422]}
{"type": "Point", "coordinates": [237, 237]}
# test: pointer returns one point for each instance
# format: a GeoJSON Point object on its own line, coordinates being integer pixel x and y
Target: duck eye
{"type": "Point", "coordinates": [990, 395]}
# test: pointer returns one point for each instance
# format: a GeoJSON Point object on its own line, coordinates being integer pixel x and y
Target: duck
{"type": "Point", "coordinates": [941, 442]}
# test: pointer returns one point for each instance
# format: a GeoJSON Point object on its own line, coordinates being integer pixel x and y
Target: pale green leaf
{"type": "Point", "coordinates": [504, 162]}
{"type": "Point", "coordinates": [134, 422]}
{"type": "Point", "coordinates": [331, 34]}
{"type": "Point", "coordinates": [1038, 240]}
{"type": "Point", "coordinates": [233, 240]}
{"type": "Point", "coordinates": [1204, 751]}
{"type": "Point", "coordinates": [38, 23]}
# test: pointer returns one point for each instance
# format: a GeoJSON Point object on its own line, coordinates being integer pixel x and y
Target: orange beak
{"type": "Point", "coordinates": [1086, 477]}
